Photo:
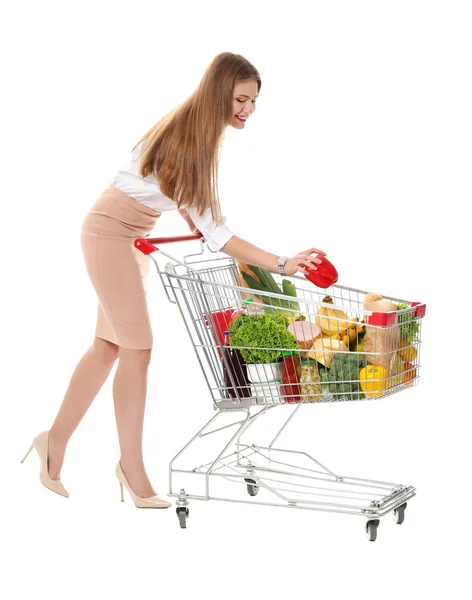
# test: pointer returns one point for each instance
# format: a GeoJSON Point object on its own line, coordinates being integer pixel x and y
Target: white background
{"type": "Point", "coordinates": [360, 145]}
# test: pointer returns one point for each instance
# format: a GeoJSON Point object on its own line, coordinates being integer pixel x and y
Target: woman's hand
{"type": "Point", "coordinates": [302, 260]}
{"type": "Point", "coordinates": [246, 252]}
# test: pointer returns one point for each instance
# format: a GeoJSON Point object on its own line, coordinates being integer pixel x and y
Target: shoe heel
{"type": "Point", "coordinates": [26, 455]}
{"type": "Point", "coordinates": [122, 497]}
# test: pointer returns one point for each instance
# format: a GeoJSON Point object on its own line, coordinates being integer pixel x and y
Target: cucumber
{"type": "Point", "coordinates": [286, 287]}
{"type": "Point", "coordinates": [290, 290]}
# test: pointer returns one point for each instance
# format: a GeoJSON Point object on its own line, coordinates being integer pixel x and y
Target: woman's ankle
{"type": "Point", "coordinates": [57, 442]}
{"type": "Point", "coordinates": [132, 465]}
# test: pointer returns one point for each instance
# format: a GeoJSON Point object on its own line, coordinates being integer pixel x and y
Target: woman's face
{"type": "Point", "coordinates": [244, 102]}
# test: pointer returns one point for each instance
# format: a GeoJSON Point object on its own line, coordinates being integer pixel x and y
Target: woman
{"type": "Point", "coordinates": [174, 166]}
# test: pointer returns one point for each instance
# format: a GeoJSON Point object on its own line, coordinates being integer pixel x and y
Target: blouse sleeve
{"type": "Point", "coordinates": [215, 235]}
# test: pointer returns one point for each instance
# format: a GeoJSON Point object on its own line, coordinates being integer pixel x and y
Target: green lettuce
{"type": "Point", "coordinates": [262, 338]}
{"type": "Point", "coordinates": [409, 326]}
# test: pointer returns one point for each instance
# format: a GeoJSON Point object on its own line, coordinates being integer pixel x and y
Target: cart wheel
{"type": "Point", "coordinates": [252, 488]}
{"type": "Point", "coordinates": [399, 514]}
{"type": "Point", "coordinates": [182, 513]}
{"type": "Point", "coordinates": [371, 529]}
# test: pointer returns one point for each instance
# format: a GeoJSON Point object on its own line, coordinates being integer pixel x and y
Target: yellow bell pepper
{"type": "Point", "coordinates": [373, 379]}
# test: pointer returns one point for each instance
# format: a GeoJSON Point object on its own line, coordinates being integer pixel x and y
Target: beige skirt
{"type": "Point", "coordinates": [118, 270]}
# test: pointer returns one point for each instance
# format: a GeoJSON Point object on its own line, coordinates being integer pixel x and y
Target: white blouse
{"type": "Point", "coordinates": [146, 190]}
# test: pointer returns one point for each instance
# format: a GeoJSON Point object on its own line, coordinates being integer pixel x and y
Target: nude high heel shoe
{"type": "Point", "coordinates": [152, 502]}
{"type": "Point", "coordinates": [41, 444]}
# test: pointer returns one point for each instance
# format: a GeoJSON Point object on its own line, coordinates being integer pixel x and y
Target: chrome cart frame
{"type": "Point", "coordinates": [203, 286]}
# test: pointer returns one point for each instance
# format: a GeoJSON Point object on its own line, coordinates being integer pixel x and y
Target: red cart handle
{"type": "Point", "coordinates": [384, 319]}
{"type": "Point", "coordinates": [145, 245]}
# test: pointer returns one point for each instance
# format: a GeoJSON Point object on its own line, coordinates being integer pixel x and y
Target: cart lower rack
{"type": "Point", "coordinates": [294, 345]}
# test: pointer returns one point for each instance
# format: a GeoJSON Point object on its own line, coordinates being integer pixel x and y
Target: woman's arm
{"type": "Point", "coordinates": [225, 241]}
{"type": "Point", "coordinates": [248, 253]}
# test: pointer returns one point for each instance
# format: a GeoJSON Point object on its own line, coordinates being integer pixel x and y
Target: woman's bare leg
{"type": "Point", "coordinates": [86, 381]}
{"type": "Point", "coordinates": [129, 393]}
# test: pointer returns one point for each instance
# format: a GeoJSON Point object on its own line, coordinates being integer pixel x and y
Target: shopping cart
{"type": "Point", "coordinates": [314, 345]}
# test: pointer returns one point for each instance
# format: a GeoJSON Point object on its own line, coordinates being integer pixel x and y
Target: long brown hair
{"type": "Point", "coordinates": [181, 149]}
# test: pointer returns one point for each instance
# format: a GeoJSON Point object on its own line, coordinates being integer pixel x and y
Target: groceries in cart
{"type": "Point", "coordinates": [290, 342]}
{"type": "Point", "coordinates": [235, 371]}
{"type": "Point", "coordinates": [261, 340]}
{"type": "Point", "coordinates": [290, 388]}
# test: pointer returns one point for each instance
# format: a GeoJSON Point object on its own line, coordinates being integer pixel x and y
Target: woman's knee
{"type": "Point", "coordinates": [106, 351]}
{"type": "Point", "coordinates": [142, 357]}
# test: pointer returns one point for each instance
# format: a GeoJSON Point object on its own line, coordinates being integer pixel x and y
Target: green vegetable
{"type": "Point", "coordinates": [409, 326]}
{"type": "Point", "coordinates": [253, 282]}
{"type": "Point", "coordinates": [286, 287]}
{"type": "Point", "coordinates": [273, 302]}
{"type": "Point", "coordinates": [261, 338]}
{"type": "Point", "coordinates": [289, 290]}
{"type": "Point", "coordinates": [266, 279]}
{"type": "Point", "coordinates": [268, 284]}
{"type": "Point", "coordinates": [342, 379]}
